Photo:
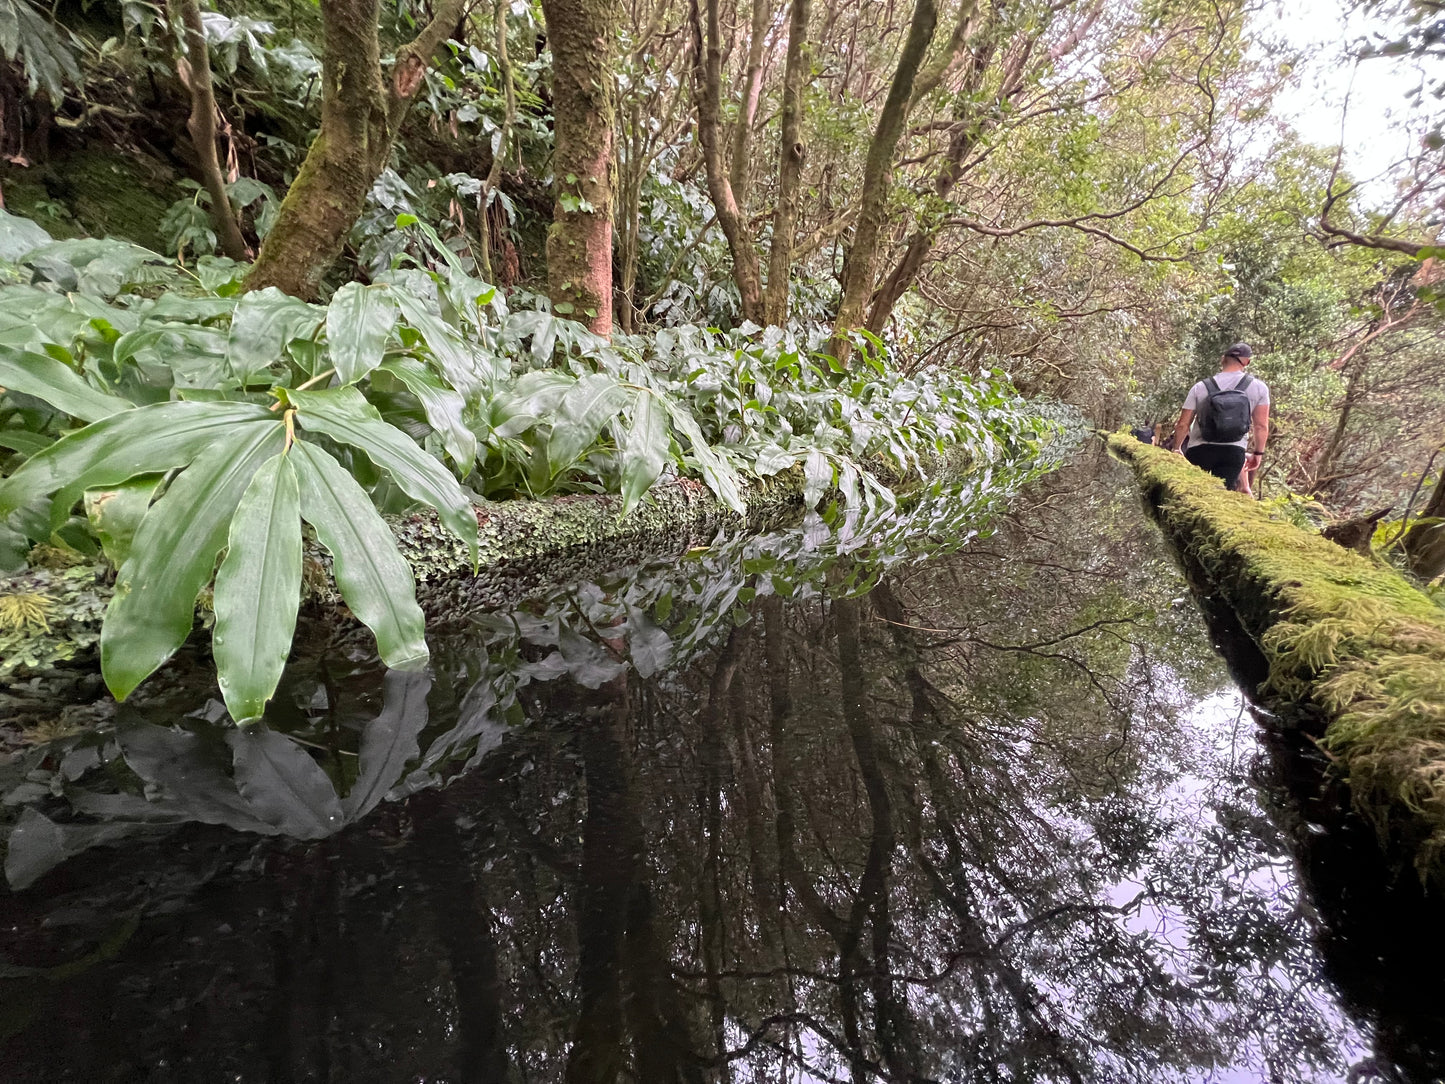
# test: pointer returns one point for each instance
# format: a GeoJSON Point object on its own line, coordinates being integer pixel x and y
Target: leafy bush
{"type": "Point", "coordinates": [213, 423]}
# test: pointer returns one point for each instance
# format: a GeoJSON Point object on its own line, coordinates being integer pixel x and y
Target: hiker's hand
{"type": "Point", "coordinates": [1253, 460]}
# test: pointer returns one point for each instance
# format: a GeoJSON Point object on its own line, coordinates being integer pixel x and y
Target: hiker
{"type": "Point", "coordinates": [1220, 414]}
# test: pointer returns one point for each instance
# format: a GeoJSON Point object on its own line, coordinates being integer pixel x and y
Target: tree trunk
{"type": "Point", "coordinates": [499, 153]}
{"type": "Point", "coordinates": [1425, 542]}
{"type": "Point", "coordinates": [740, 169]}
{"type": "Point", "coordinates": [791, 152]}
{"type": "Point", "coordinates": [583, 38]}
{"type": "Point", "coordinates": [878, 178]}
{"type": "Point", "coordinates": [194, 68]}
{"type": "Point", "coordinates": [360, 114]}
{"type": "Point", "coordinates": [707, 78]}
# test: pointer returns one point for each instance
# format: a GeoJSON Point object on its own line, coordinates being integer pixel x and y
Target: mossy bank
{"type": "Point", "coordinates": [1342, 634]}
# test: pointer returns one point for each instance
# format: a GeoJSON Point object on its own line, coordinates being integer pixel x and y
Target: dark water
{"type": "Point", "coordinates": [997, 815]}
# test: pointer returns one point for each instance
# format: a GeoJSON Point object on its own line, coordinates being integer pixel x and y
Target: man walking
{"type": "Point", "coordinates": [1220, 414]}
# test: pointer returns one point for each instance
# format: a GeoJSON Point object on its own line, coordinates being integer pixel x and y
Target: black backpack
{"type": "Point", "coordinates": [1224, 416]}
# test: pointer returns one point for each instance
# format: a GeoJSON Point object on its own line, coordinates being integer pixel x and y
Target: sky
{"type": "Point", "coordinates": [1376, 88]}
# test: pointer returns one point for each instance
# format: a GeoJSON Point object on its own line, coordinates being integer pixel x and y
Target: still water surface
{"type": "Point", "coordinates": [973, 800]}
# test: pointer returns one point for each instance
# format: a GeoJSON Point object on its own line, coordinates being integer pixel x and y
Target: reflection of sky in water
{"type": "Point", "coordinates": [1217, 747]}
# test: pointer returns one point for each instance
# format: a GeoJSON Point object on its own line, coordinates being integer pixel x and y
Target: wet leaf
{"type": "Point", "coordinates": [358, 322]}
{"type": "Point", "coordinates": [115, 514]}
{"type": "Point", "coordinates": [817, 478]}
{"type": "Point", "coordinates": [588, 405]}
{"type": "Point", "coordinates": [344, 415]}
{"type": "Point", "coordinates": [58, 384]}
{"type": "Point", "coordinates": [372, 576]}
{"type": "Point", "coordinates": [264, 322]}
{"type": "Point", "coordinates": [174, 554]}
{"type": "Point", "coordinates": [258, 590]}
{"type": "Point", "coordinates": [443, 408]}
{"type": "Point", "coordinates": [644, 450]}
{"type": "Point", "coordinates": [649, 646]}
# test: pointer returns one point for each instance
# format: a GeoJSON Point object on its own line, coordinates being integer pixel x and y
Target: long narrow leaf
{"type": "Point", "coordinates": [58, 384]}
{"type": "Point", "coordinates": [717, 472]}
{"type": "Point", "coordinates": [644, 451]}
{"type": "Point", "coordinates": [443, 408]}
{"type": "Point", "coordinates": [145, 440]}
{"type": "Point", "coordinates": [389, 741]}
{"type": "Point", "coordinates": [258, 590]}
{"type": "Point", "coordinates": [459, 367]}
{"type": "Point", "coordinates": [342, 414]}
{"type": "Point", "coordinates": [283, 786]}
{"type": "Point", "coordinates": [174, 554]}
{"type": "Point", "coordinates": [358, 322]}
{"type": "Point", "coordinates": [374, 579]}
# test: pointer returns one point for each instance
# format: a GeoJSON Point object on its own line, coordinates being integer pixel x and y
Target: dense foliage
{"type": "Point", "coordinates": [216, 423]}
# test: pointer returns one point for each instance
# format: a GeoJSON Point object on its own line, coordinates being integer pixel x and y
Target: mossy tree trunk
{"type": "Point", "coordinates": [194, 67]}
{"type": "Point", "coordinates": [360, 112]}
{"type": "Point", "coordinates": [1425, 542]}
{"type": "Point", "coordinates": [858, 269]}
{"type": "Point", "coordinates": [583, 38]}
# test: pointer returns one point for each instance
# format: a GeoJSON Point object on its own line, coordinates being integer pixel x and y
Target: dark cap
{"type": "Point", "coordinates": [1239, 350]}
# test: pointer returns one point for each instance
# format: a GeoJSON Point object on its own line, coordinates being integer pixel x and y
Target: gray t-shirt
{"type": "Point", "coordinates": [1257, 393]}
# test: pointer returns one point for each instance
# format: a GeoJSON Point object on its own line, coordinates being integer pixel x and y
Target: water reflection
{"type": "Point", "coordinates": [998, 816]}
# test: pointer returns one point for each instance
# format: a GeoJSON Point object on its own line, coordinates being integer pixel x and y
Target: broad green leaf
{"type": "Point", "coordinates": [389, 741]}
{"type": "Point", "coordinates": [24, 442]}
{"type": "Point", "coordinates": [358, 323]}
{"type": "Point", "coordinates": [258, 590]}
{"type": "Point", "coordinates": [817, 477]}
{"type": "Point", "coordinates": [115, 513]}
{"type": "Point", "coordinates": [19, 236]}
{"type": "Point", "coordinates": [374, 579]}
{"type": "Point", "coordinates": [264, 322]}
{"type": "Point", "coordinates": [644, 450]}
{"type": "Point", "coordinates": [144, 440]}
{"type": "Point", "coordinates": [532, 396]}
{"type": "Point", "coordinates": [443, 408]}
{"type": "Point", "coordinates": [717, 472]}
{"type": "Point", "coordinates": [588, 405]}
{"type": "Point", "coordinates": [57, 383]}
{"type": "Point", "coordinates": [282, 785]}
{"type": "Point", "coordinates": [772, 458]}
{"type": "Point", "coordinates": [174, 554]}
{"type": "Point", "coordinates": [457, 365]}
{"type": "Point", "coordinates": [344, 415]}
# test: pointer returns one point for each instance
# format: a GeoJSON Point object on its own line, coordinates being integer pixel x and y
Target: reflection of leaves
{"type": "Point", "coordinates": [37, 845]}
{"type": "Point", "coordinates": [286, 788]}
{"type": "Point", "coordinates": [389, 741]}
{"type": "Point", "coordinates": [649, 646]}
{"type": "Point", "coordinates": [588, 662]}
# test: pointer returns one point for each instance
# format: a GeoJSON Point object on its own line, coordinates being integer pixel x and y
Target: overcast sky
{"type": "Point", "coordinates": [1372, 135]}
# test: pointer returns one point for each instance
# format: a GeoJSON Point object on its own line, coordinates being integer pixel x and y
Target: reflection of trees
{"type": "Point", "coordinates": [921, 833]}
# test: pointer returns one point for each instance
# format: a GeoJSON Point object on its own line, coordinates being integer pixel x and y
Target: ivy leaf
{"type": "Point", "coordinates": [258, 590]}
{"type": "Point", "coordinates": [282, 784]}
{"type": "Point", "coordinates": [443, 408]}
{"type": "Point", "coordinates": [374, 579]}
{"type": "Point", "coordinates": [644, 450]}
{"type": "Point", "coordinates": [58, 384]}
{"type": "Point", "coordinates": [174, 554]}
{"type": "Point", "coordinates": [358, 322]}
{"type": "Point", "coordinates": [343, 414]}
{"type": "Point", "coordinates": [588, 405]}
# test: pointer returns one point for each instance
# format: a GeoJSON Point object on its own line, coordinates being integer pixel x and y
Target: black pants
{"type": "Point", "coordinates": [1221, 460]}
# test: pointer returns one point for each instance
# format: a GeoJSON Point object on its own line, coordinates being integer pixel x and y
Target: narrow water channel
{"type": "Point", "coordinates": [974, 799]}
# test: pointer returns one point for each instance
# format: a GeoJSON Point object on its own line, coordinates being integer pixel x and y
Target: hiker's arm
{"type": "Point", "coordinates": [1181, 430]}
{"type": "Point", "coordinates": [1261, 429]}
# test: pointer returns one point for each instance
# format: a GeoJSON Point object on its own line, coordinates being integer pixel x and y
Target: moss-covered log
{"type": "Point", "coordinates": [1342, 633]}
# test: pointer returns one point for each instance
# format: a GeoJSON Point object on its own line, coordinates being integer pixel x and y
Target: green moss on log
{"type": "Point", "coordinates": [1340, 632]}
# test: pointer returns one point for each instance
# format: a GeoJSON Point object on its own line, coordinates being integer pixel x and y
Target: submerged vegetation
{"type": "Point", "coordinates": [1340, 631]}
